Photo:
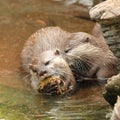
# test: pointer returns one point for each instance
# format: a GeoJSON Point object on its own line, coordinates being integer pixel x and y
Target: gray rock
{"type": "Point", "coordinates": [116, 111]}
{"type": "Point", "coordinates": [112, 89]}
{"type": "Point", "coordinates": [107, 14]}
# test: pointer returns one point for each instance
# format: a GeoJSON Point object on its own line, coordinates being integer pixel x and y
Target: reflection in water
{"type": "Point", "coordinates": [18, 20]}
{"type": "Point", "coordinates": [16, 103]}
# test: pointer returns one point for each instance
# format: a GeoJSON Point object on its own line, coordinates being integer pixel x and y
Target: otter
{"type": "Point", "coordinates": [51, 63]}
{"type": "Point", "coordinates": [85, 55]}
{"type": "Point", "coordinates": [90, 57]}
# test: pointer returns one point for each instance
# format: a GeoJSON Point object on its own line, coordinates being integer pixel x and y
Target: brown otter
{"type": "Point", "coordinates": [51, 63]}
{"type": "Point", "coordinates": [86, 55]}
{"type": "Point", "coordinates": [90, 57]}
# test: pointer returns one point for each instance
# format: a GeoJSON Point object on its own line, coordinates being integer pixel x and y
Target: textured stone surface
{"type": "Point", "coordinates": [116, 111]}
{"type": "Point", "coordinates": [111, 33]}
{"type": "Point", "coordinates": [106, 10]}
{"type": "Point", "coordinates": [108, 15]}
{"type": "Point", "coordinates": [112, 89]}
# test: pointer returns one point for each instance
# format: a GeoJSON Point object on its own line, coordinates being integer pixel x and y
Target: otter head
{"type": "Point", "coordinates": [51, 63]}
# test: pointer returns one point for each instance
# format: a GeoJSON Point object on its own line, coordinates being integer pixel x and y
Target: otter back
{"type": "Point", "coordinates": [86, 55]}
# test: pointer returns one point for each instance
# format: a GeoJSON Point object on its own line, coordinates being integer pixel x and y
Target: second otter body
{"type": "Point", "coordinates": [86, 55]}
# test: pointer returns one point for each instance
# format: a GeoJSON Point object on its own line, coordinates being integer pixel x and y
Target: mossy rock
{"type": "Point", "coordinates": [112, 89]}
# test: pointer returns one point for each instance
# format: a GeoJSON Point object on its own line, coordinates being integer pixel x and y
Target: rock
{"type": "Point", "coordinates": [108, 9]}
{"type": "Point", "coordinates": [107, 14]}
{"type": "Point", "coordinates": [116, 111]}
{"type": "Point", "coordinates": [112, 89]}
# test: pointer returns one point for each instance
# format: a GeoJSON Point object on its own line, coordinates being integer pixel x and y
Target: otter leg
{"type": "Point", "coordinates": [104, 72]}
{"type": "Point", "coordinates": [51, 88]}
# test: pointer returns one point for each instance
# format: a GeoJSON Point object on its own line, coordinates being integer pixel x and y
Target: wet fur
{"type": "Point", "coordinates": [90, 56]}
{"type": "Point", "coordinates": [86, 55]}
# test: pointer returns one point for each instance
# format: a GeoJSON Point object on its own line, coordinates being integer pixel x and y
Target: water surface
{"type": "Point", "coordinates": [25, 105]}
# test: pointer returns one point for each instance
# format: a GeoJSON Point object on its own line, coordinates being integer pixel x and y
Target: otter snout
{"type": "Point", "coordinates": [42, 73]}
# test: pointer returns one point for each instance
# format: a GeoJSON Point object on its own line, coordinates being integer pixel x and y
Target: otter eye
{"type": "Point", "coordinates": [66, 51]}
{"type": "Point", "coordinates": [47, 63]}
{"type": "Point", "coordinates": [34, 70]}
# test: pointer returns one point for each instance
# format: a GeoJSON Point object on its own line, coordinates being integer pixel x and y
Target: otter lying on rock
{"type": "Point", "coordinates": [52, 51]}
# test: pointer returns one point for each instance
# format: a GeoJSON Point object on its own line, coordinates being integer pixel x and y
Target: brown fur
{"type": "Point", "coordinates": [86, 55]}
{"type": "Point", "coordinates": [44, 39]}
{"type": "Point", "coordinates": [83, 47]}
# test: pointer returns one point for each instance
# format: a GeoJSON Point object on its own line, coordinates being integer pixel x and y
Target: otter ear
{"type": "Point", "coordinates": [57, 52]}
{"type": "Point", "coordinates": [87, 40]}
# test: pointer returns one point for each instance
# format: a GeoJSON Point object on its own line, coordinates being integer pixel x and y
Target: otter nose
{"type": "Point", "coordinates": [42, 72]}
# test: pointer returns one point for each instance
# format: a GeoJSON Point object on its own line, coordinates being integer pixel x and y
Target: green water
{"type": "Point", "coordinates": [17, 104]}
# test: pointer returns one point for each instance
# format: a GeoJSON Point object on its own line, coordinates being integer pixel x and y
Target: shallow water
{"type": "Point", "coordinates": [18, 20]}
{"type": "Point", "coordinates": [24, 105]}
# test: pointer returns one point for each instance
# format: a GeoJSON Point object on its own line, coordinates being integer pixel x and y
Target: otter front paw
{"type": "Point", "coordinates": [50, 89]}
{"type": "Point", "coordinates": [56, 86]}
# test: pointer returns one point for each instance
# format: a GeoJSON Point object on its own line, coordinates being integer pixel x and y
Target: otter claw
{"type": "Point", "coordinates": [50, 88]}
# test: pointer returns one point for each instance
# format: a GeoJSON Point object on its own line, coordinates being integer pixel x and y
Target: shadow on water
{"type": "Point", "coordinates": [18, 20]}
